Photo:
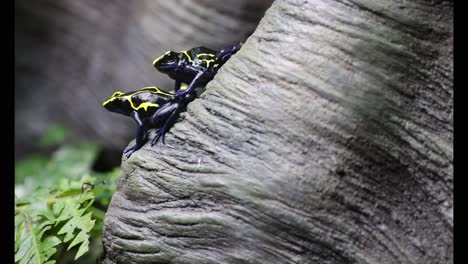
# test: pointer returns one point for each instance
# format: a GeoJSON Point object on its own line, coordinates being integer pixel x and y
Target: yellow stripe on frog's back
{"type": "Point", "coordinates": [108, 100]}
{"type": "Point", "coordinates": [207, 62]}
{"type": "Point", "coordinates": [150, 89]}
{"type": "Point", "coordinates": [160, 57]}
{"type": "Point", "coordinates": [205, 54]}
{"type": "Point", "coordinates": [144, 105]}
{"type": "Point", "coordinates": [188, 56]}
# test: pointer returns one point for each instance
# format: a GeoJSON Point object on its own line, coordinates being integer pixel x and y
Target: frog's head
{"type": "Point", "coordinates": [118, 103]}
{"type": "Point", "coordinates": [167, 62]}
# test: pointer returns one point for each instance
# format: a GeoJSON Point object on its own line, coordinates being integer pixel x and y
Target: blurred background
{"type": "Point", "coordinates": [72, 55]}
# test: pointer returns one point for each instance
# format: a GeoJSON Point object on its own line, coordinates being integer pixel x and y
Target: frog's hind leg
{"type": "Point", "coordinates": [160, 133]}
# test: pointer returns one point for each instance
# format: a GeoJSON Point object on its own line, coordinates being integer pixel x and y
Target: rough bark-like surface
{"type": "Point", "coordinates": [326, 139]}
{"type": "Point", "coordinates": [71, 55]}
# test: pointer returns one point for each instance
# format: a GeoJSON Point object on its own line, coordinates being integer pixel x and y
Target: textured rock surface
{"type": "Point", "coordinates": [326, 139]}
{"type": "Point", "coordinates": [72, 55]}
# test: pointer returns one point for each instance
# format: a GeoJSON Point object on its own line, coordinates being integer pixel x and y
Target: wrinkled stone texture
{"type": "Point", "coordinates": [71, 55]}
{"type": "Point", "coordinates": [326, 139]}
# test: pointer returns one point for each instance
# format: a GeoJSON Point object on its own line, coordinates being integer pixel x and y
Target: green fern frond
{"type": "Point", "coordinates": [30, 248]}
{"type": "Point", "coordinates": [70, 209]}
{"type": "Point", "coordinates": [54, 200]}
{"type": "Point", "coordinates": [34, 218]}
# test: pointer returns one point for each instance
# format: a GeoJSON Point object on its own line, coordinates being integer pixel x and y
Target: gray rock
{"type": "Point", "coordinates": [326, 139]}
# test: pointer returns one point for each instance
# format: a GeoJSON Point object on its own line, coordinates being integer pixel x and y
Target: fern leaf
{"type": "Point", "coordinates": [48, 246]}
{"type": "Point", "coordinates": [76, 221]}
{"type": "Point", "coordinates": [82, 238]}
{"type": "Point", "coordinates": [53, 208]}
{"type": "Point", "coordinates": [29, 246]}
{"type": "Point", "coordinates": [84, 224]}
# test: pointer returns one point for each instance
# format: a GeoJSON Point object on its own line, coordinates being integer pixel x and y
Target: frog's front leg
{"type": "Point", "coordinates": [140, 140]}
{"type": "Point", "coordinates": [225, 53]}
{"type": "Point", "coordinates": [136, 117]}
{"type": "Point", "coordinates": [192, 85]}
{"type": "Point", "coordinates": [177, 85]}
{"type": "Point", "coordinates": [141, 135]}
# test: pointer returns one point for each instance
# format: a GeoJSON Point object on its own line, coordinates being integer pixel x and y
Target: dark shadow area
{"type": "Point", "coordinates": [107, 160]}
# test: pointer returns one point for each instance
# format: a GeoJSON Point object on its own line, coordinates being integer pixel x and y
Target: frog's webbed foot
{"type": "Point", "coordinates": [159, 134]}
{"type": "Point", "coordinates": [180, 93]}
{"type": "Point", "coordinates": [186, 97]}
{"type": "Point", "coordinates": [129, 151]}
{"type": "Point", "coordinates": [190, 92]}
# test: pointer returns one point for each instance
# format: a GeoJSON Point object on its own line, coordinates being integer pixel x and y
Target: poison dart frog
{"type": "Point", "coordinates": [150, 107]}
{"type": "Point", "coordinates": [195, 67]}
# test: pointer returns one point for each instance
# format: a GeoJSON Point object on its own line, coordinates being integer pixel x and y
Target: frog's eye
{"type": "Point", "coordinates": [117, 94]}
{"type": "Point", "coordinates": [171, 56]}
